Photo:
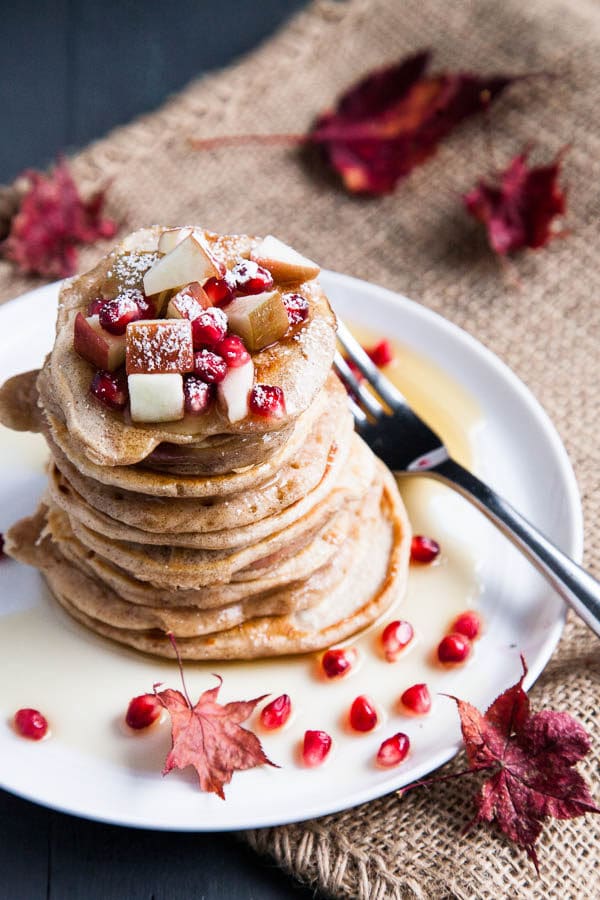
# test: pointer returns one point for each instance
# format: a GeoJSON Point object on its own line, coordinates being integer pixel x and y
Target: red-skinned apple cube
{"type": "Point", "coordinates": [97, 346]}
{"type": "Point", "coordinates": [284, 263]}
{"type": "Point", "coordinates": [159, 347]}
{"type": "Point", "coordinates": [156, 398]}
{"type": "Point", "coordinates": [189, 302]}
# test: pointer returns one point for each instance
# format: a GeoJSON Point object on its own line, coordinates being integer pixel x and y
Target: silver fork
{"type": "Point", "coordinates": [407, 445]}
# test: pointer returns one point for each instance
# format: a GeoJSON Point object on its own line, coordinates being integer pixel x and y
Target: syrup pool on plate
{"type": "Point", "coordinates": [83, 683]}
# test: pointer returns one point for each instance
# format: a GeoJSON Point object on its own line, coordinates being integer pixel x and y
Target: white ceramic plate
{"type": "Point", "coordinates": [98, 772]}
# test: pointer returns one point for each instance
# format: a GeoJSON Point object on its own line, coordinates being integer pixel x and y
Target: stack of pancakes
{"type": "Point", "coordinates": [252, 539]}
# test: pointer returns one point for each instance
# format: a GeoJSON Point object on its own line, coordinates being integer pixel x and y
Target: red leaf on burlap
{"type": "Point", "coordinates": [393, 120]}
{"type": "Point", "coordinates": [532, 757]}
{"type": "Point", "coordinates": [519, 207]}
{"type": "Point", "coordinates": [51, 221]}
{"type": "Point", "coordinates": [209, 737]}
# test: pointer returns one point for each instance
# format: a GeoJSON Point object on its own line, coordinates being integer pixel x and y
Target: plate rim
{"type": "Point", "coordinates": [575, 530]}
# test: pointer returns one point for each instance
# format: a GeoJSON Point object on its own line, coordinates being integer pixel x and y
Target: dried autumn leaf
{"type": "Point", "coordinates": [394, 119]}
{"type": "Point", "coordinates": [209, 737]}
{"type": "Point", "coordinates": [519, 207]}
{"type": "Point", "coordinates": [531, 758]}
{"type": "Point", "coordinates": [51, 221]}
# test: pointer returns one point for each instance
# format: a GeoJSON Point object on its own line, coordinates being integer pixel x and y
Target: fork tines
{"type": "Point", "coordinates": [364, 398]}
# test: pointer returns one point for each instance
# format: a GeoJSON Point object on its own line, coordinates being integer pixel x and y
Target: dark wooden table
{"type": "Point", "coordinates": [69, 71]}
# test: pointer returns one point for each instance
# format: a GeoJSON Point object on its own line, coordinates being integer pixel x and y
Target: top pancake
{"type": "Point", "coordinates": [299, 364]}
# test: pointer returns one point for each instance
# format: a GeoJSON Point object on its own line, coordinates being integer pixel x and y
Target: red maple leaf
{"type": "Point", "coordinates": [393, 119]}
{"type": "Point", "coordinates": [530, 758]}
{"type": "Point", "coordinates": [209, 736]}
{"type": "Point", "coordinates": [52, 220]}
{"type": "Point", "coordinates": [519, 207]}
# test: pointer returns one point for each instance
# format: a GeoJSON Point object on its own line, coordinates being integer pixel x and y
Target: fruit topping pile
{"type": "Point", "coordinates": [174, 331]}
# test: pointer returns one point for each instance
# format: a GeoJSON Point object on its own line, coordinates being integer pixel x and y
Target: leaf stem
{"type": "Point", "coordinates": [171, 637]}
{"type": "Point", "coordinates": [425, 782]}
{"type": "Point", "coordinates": [237, 140]}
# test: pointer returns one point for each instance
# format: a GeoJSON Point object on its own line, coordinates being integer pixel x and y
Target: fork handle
{"type": "Point", "coordinates": [576, 586]}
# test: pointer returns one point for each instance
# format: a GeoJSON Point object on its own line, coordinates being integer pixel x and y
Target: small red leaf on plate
{"type": "Point", "coordinates": [393, 120]}
{"type": "Point", "coordinates": [51, 221]}
{"type": "Point", "coordinates": [531, 758]}
{"type": "Point", "coordinates": [209, 737]}
{"type": "Point", "coordinates": [519, 207]}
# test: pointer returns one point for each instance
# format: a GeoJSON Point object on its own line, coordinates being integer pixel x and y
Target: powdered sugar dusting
{"type": "Point", "coordinates": [128, 269]}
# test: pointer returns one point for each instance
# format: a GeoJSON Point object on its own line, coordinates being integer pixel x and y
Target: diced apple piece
{"type": "Point", "coordinates": [188, 261]}
{"type": "Point", "coordinates": [156, 398]}
{"type": "Point", "coordinates": [159, 346]}
{"type": "Point", "coordinates": [283, 262]}
{"type": "Point", "coordinates": [233, 392]}
{"type": "Point", "coordinates": [259, 319]}
{"type": "Point", "coordinates": [189, 302]}
{"type": "Point", "coordinates": [171, 237]}
{"type": "Point", "coordinates": [99, 347]}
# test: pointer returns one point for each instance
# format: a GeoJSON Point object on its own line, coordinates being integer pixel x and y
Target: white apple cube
{"type": "Point", "coordinates": [188, 261]}
{"type": "Point", "coordinates": [259, 319]}
{"type": "Point", "coordinates": [156, 398]}
{"type": "Point", "coordinates": [233, 392]}
{"type": "Point", "coordinates": [97, 346]}
{"type": "Point", "coordinates": [283, 262]}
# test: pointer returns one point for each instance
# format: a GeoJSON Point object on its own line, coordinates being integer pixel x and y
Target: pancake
{"type": "Point", "coordinates": [63, 495]}
{"type": "Point", "coordinates": [189, 567]}
{"type": "Point", "coordinates": [314, 556]}
{"type": "Point", "coordinates": [371, 585]}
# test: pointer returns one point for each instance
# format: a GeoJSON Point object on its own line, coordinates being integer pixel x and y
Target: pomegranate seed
{"type": "Point", "coordinates": [198, 394]}
{"type": "Point", "coordinates": [210, 327]}
{"type": "Point", "coordinates": [233, 351]}
{"type": "Point", "coordinates": [95, 306]}
{"type": "Point", "coordinates": [338, 662]}
{"type": "Point", "coordinates": [130, 306]}
{"type": "Point", "coordinates": [267, 400]}
{"type": "Point", "coordinates": [31, 724]}
{"type": "Point", "coordinates": [381, 354]}
{"type": "Point", "coordinates": [454, 648]}
{"type": "Point", "coordinates": [393, 751]}
{"type": "Point", "coordinates": [417, 699]}
{"type": "Point", "coordinates": [395, 637]}
{"type": "Point", "coordinates": [219, 290]}
{"type": "Point", "coordinates": [467, 624]}
{"type": "Point", "coordinates": [315, 748]}
{"type": "Point", "coordinates": [296, 307]}
{"type": "Point", "coordinates": [423, 549]}
{"type": "Point", "coordinates": [110, 388]}
{"type": "Point", "coordinates": [143, 711]}
{"type": "Point", "coordinates": [276, 713]}
{"type": "Point", "coordinates": [209, 367]}
{"type": "Point", "coordinates": [250, 278]}
{"type": "Point", "coordinates": [363, 715]}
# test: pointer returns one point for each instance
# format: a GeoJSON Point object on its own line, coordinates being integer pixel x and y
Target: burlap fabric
{"type": "Point", "coordinates": [418, 241]}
